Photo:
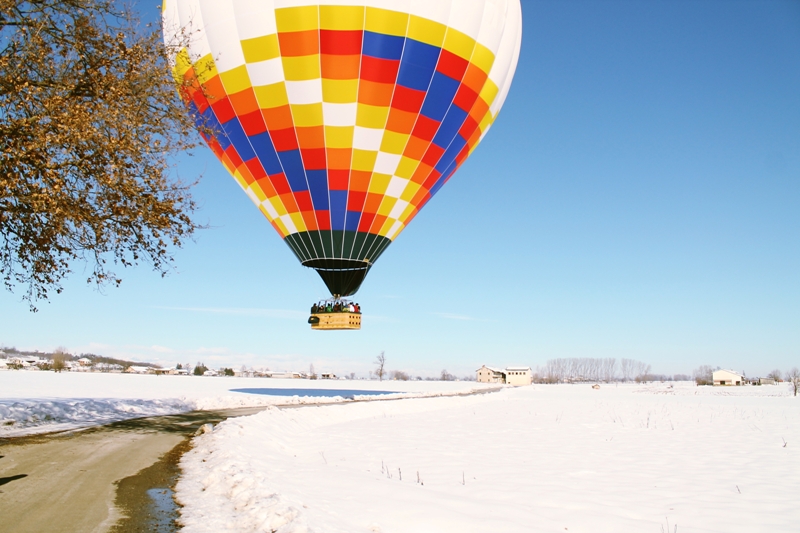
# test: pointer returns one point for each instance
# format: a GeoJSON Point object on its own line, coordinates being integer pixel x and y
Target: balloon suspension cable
{"type": "Point", "coordinates": [335, 299]}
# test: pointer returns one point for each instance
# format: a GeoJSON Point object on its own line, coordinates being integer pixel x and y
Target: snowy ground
{"type": "Point", "coordinates": [556, 458]}
{"type": "Point", "coordinates": [33, 402]}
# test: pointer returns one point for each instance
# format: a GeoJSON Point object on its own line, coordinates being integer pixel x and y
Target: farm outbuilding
{"type": "Point", "coordinates": [728, 377]}
{"type": "Point", "coordinates": [519, 375]}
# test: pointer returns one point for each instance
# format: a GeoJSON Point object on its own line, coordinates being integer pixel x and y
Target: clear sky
{"type": "Point", "coordinates": [639, 196]}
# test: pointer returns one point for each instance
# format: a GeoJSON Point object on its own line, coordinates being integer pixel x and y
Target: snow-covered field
{"type": "Point", "coordinates": [553, 458]}
{"type": "Point", "coordinates": [32, 402]}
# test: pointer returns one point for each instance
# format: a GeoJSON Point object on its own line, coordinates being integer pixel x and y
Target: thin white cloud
{"type": "Point", "coordinates": [465, 318]}
{"type": "Point", "coordinates": [241, 311]}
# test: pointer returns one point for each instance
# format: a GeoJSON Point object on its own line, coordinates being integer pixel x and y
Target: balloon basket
{"type": "Point", "coordinates": [335, 313]}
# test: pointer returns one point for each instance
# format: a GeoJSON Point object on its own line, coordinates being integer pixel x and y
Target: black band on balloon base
{"type": "Point", "coordinates": [342, 258]}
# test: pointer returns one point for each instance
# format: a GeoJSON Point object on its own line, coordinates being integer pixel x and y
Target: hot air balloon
{"type": "Point", "coordinates": [342, 119]}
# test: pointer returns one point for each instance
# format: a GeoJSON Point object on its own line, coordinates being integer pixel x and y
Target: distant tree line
{"type": "Point", "coordinates": [593, 369]}
{"type": "Point", "coordinates": [60, 356]}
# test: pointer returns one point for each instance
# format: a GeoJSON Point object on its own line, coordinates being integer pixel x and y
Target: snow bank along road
{"type": "Point", "coordinates": [65, 482]}
{"type": "Point", "coordinates": [545, 458]}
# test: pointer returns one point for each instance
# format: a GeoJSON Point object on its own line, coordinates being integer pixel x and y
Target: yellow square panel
{"type": "Point", "coordinates": [387, 225]}
{"type": "Point", "coordinates": [378, 185]}
{"type": "Point", "coordinates": [386, 21]}
{"type": "Point", "coordinates": [235, 80]}
{"type": "Point", "coordinates": [426, 31]}
{"type": "Point", "coordinates": [258, 192]}
{"type": "Point", "coordinates": [341, 17]}
{"type": "Point", "coordinates": [489, 92]}
{"type": "Point", "coordinates": [261, 48]}
{"type": "Point", "coordinates": [482, 58]}
{"type": "Point", "coordinates": [297, 18]}
{"type": "Point", "coordinates": [406, 167]}
{"type": "Point", "coordinates": [339, 136]}
{"type": "Point", "coordinates": [205, 68]}
{"type": "Point", "coordinates": [459, 43]}
{"type": "Point", "coordinates": [486, 122]}
{"type": "Point", "coordinates": [301, 67]}
{"type": "Point", "coordinates": [370, 116]}
{"type": "Point", "coordinates": [410, 191]}
{"type": "Point", "coordinates": [278, 205]}
{"type": "Point", "coordinates": [305, 115]}
{"type": "Point", "coordinates": [183, 62]}
{"type": "Point", "coordinates": [299, 223]}
{"type": "Point", "coordinates": [364, 160]}
{"type": "Point", "coordinates": [270, 96]}
{"type": "Point", "coordinates": [393, 142]}
{"type": "Point", "coordinates": [339, 91]}
{"type": "Point", "coordinates": [386, 204]}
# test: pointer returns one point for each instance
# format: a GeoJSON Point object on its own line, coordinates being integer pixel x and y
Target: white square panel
{"type": "Point", "coordinates": [398, 209]}
{"type": "Point", "coordinates": [386, 163]}
{"type": "Point", "coordinates": [289, 223]}
{"type": "Point", "coordinates": [396, 186]}
{"type": "Point", "coordinates": [265, 72]}
{"type": "Point", "coordinates": [304, 92]}
{"type": "Point", "coordinates": [269, 208]}
{"type": "Point", "coordinates": [367, 138]}
{"type": "Point", "coordinates": [339, 114]}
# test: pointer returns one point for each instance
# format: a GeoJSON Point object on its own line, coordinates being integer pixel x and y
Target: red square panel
{"type": "Point", "coordinates": [253, 123]}
{"type": "Point", "coordinates": [355, 200]}
{"type": "Point", "coordinates": [433, 155]}
{"type": "Point", "coordinates": [284, 140]}
{"type": "Point", "coordinates": [338, 179]}
{"type": "Point", "coordinates": [303, 199]}
{"type": "Point", "coordinates": [452, 65]}
{"type": "Point", "coordinates": [281, 184]}
{"type": "Point", "coordinates": [323, 219]}
{"type": "Point", "coordinates": [425, 128]}
{"type": "Point", "coordinates": [255, 168]}
{"type": "Point", "coordinates": [313, 158]}
{"type": "Point", "coordinates": [379, 70]}
{"type": "Point", "coordinates": [340, 42]}
{"type": "Point", "coordinates": [407, 99]}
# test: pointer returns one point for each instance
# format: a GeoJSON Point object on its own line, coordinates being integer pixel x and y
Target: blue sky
{"type": "Point", "coordinates": [639, 196]}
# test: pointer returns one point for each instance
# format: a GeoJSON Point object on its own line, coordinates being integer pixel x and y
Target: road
{"type": "Point", "coordinates": [66, 482]}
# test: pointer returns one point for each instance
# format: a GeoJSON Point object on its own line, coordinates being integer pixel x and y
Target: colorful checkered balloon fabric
{"type": "Point", "coordinates": [342, 121]}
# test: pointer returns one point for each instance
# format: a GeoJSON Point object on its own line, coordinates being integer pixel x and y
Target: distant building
{"type": "Point", "coordinates": [284, 375]}
{"type": "Point", "coordinates": [488, 374]}
{"type": "Point", "coordinates": [728, 377]}
{"type": "Point", "coordinates": [519, 375]}
{"type": "Point", "coordinates": [513, 375]}
{"type": "Point", "coordinates": [766, 381]}
{"type": "Point", "coordinates": [133, 369]}
{"type": "Point", "coordinates": [327, 375]}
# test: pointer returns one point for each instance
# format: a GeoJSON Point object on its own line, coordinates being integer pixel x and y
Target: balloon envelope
{"type": "Point", "coordinates": [342, 119]}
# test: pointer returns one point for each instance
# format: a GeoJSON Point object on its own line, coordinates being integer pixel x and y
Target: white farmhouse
{"type": "Point", "coordinates": [519, 375]}
{"type": "Point", "coordinates": [487, 374]}
{"type": "Point", "coordinates": [513, 375]}
{"type": "Point", "coordinates": [728, 377]}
